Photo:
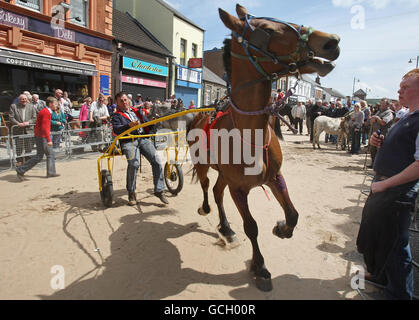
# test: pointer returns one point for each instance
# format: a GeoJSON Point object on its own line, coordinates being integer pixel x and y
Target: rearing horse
{"type": "Point", "coordinates": [261, 50]}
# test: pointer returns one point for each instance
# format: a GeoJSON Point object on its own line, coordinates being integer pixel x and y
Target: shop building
{"type": "Point", "coordinates": [215, 88]}
{"type": "Point", "coordinates": [51, 44]}
{"type": "Point", "coordinates": [141, 63]}
{"type": "Point", "coordinates": [180, 36]}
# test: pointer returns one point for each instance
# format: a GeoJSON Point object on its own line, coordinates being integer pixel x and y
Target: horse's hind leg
{"type": "Point", "coordinates": [280, 191]}
{"type": "Point", "coordinates": [223, 229]}
{"type": "Point", "coordinates": [263, 277]}
{"type": "Point", "coordinates": [202, 172]}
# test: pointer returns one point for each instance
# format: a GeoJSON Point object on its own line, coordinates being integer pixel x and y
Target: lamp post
{"type": "Point", "coordinates": [417, 61]}
{"type": "Point", "coordinates": [353, 89]}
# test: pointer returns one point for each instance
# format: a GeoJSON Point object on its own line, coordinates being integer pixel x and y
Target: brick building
{"type": "Point", "coordinates": [50, 44]}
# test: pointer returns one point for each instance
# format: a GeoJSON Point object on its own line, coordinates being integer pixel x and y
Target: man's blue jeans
{"type": "Point", "coordinates": [42, 148]}
{"type": "Point", "coordinates": [398, 269]}
{"type": "Point", "coordinates": [133, 150]}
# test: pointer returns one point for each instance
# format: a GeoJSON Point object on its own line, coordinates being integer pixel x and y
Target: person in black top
{"type": "Point", "coordinates": [383, 236]}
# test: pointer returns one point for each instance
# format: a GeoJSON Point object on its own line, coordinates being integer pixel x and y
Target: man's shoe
{"type": "Point", "coordinates": [20, 176]}
{"type": "Point", "coordinates": [55, 175]}
{"type": "Point", "coordinates": [132, 199]}
{"type": "Point", "coordinates": [161, 196]}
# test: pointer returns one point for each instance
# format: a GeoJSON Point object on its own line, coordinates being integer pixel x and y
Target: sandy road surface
{"type": "Point", "coordinates": [170, 252]}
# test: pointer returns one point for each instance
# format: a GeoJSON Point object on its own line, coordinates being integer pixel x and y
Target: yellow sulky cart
{"type": "Point", "coordinates": [173, 174]}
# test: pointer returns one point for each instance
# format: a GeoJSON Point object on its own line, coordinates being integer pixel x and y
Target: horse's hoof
{"type": "Point", "coordinates": [202, 212]}
{"type": "Point", "coordinates": [230, 241]}
{"type": "Point", "coordinates": [264, 284]}
{"type": "Point", "coordinates": [281, 230]}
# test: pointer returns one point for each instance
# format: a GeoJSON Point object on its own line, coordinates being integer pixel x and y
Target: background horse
{"type": "Point", "coordinates": [260, 51]}
{"type": "Point", "coordinates": [164, 109]}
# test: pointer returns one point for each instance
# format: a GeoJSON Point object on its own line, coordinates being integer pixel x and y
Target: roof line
{"type": "Point", "coordinates": [148, 33]}
{"type": "Point", "coordinates": [178, 14]}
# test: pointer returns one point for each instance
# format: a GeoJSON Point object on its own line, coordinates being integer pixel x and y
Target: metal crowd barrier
{"type": "Point", "coordinates": [23, 143]}
{"type": "Point", "coordinates": [18, 144]}
{"type": "Point", "coordinates": [5, 149]}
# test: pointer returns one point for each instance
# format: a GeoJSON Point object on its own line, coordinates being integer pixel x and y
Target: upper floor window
{"type": "Point", "coordinates": [30, 4]}
{"type": "Point", "coordinates": [183, 52]}
{"type": "Point", "coordinates": [79, 12]}
{"type": "Point", "coordinates": [194, 50]}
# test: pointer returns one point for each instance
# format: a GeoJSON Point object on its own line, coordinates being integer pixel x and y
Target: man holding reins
{"type": "Point", "coordinates": [124, 118]}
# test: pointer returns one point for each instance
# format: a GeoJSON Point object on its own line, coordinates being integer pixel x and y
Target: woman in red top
{"type": "Point", "coordinates": [43, 142]}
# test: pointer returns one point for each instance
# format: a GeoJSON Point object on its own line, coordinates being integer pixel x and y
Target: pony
{"type": "Point", "coordinates": [261, 51]}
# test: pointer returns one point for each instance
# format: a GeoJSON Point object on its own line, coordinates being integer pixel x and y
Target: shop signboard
{"type": "Point", "coordinates": [143, 82]}
{"type": "Point", "coordinates": [104, 84]}
{"type": "Point", "coordinates": [143, 66]}
{"type": "Point", "coordinates": [189, 75]}
{"type": "Point", "coordinates": [13, 20]}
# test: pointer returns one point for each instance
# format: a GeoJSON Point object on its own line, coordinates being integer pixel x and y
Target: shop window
{"type": "Point", "coordinates": [30, 4]}
{"type": "Point", "coordinates": [183, 52]}
{"type": "Point", "coordinates": [194, 50]}
{"type": "Point", "coordinates": [208, 95]}
{"type": "Point", "coordinates": [79, 12]}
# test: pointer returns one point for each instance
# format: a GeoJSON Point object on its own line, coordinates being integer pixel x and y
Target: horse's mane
{"type": "Point", "coordinates": [227, 57]}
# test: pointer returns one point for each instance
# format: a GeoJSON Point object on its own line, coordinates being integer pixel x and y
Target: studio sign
{"type": "Point", "coordinates": [14, 20]}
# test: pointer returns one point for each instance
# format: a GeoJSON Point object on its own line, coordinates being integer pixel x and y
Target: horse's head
{"type": "Point", "coordinates": [278, 48]}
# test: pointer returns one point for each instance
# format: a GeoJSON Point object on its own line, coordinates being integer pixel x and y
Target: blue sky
{"type": "Point", "coordinates": [377, 55]}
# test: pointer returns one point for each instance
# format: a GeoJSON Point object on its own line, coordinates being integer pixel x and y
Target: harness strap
{"type": "Point", "coordinates": [265, 146]}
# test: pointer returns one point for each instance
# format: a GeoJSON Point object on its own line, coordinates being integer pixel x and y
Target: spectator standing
{"type": "Point", "coordinates": [22, 116]}
{"type": "Point", "coordinates": [58, 121]}
{"type": "Point", "coordinates": [139, 101]}
{"type": "Point", "coordinates": [400, 112]}
{"type": "Point", "coordinates": [131, 102]}
{"type": "Point", "coordinates": [382, 120]}
{"type": "Point", "coordinates": [98, 116]}
{"type": "Point", "coordinates": [332, 113]}
{"type": "Point", "coordinates": [111, 106]}
{"type": "Point", "coordinates": [84, 117]}
{"type": "Point", "coordinates": [383, 236]}
{"type": "Point", "coordinates": [316, 111]}
{"type": "Point", "coordinates": [298, 112]}
{"type": "Point", "coordinates": [309, 107]}
{"type": "Point", "coordinates": [68, 106]}
{"type": "Point", "coordinates": [365, 127]}
{"type": "Point", "coordinates": [43, 142]}
{"type": "Point", "coordinates": [357, 122]}
{"type": "Point", "coordinates": [192, 105]}
{"type": "Point", "coordinates": [59, 96]}
{"type": "Point", "coordinates": [37, 103]}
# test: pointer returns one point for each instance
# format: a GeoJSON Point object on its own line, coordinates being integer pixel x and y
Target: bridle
{"type": "Point", "coordinates": [259, 41]}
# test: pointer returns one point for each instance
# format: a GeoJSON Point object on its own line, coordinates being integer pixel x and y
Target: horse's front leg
{"type": "Point", "coordinates": [262, 275]}
{"type": "Point", "coordinates": [284, 230]}
{"type": "Point", "coordinates": [224, 231]}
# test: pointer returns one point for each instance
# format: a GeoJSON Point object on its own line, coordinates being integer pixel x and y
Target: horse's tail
{"type": "Point", "coordinates": [277, 128]}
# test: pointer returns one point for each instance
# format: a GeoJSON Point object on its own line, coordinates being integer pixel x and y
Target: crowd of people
{"type": "Point", "coordinates": [364, 119]}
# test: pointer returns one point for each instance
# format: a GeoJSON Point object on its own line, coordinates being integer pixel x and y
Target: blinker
{"type": "Point", "coordinates": [260, 39]}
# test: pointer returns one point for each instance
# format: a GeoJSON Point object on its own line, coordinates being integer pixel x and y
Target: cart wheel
{"type": "Point", "coordinates": [173, 179]}
{"type": "Point", "coordinates": [107, 189]}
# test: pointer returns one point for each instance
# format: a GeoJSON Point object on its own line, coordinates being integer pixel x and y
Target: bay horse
{"type": "Point", "coordinates": [261, 50]}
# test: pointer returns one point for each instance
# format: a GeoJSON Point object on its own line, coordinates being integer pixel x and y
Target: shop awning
{"type": "Point", "coordinates": [22, 59]}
